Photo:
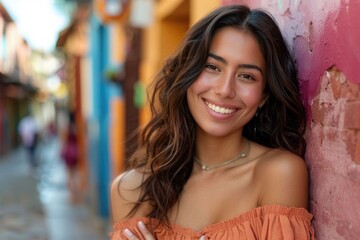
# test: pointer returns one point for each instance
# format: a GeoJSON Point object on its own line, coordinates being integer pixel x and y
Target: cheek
{"type": "Point", "coordinates": [195, 89]}
{"type": "Point", "coordinates": [202, 82]}
{"type": "Point", "coordinates": [252, 96]}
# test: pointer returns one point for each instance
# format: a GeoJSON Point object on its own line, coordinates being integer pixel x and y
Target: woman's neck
{"type": "Point", "coordinates": [215, 150]}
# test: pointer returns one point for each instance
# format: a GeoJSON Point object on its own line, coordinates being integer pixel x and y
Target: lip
{"type": "Point", "coordinates": [217, 115]}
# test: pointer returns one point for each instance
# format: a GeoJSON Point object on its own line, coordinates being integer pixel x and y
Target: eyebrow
{"type": "Point", "coordinates": [251, 66]}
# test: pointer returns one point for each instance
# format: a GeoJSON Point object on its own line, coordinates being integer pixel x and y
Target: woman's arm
{"type": "Point", "coordinates": [125, 191]}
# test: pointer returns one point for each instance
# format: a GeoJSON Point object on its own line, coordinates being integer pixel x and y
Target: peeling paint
{"type": "Point", "coordinates": [333, 159]}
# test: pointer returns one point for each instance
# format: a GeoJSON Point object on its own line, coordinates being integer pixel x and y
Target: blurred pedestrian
{"type": "Point", "coordinates": [29, 132]}
{"type": "Point", "coordinates": [222, 157]}
{"type": "Point", "coordinates": [70, 155]}
{"type": "Point", "coordinates": [51, 129]}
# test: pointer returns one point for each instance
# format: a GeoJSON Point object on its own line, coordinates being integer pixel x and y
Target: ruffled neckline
{"type": "Point", "coordinates": [224, 224]}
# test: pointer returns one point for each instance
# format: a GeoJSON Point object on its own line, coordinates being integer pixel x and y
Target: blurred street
{"type": "Point", "coordinates": [35, 205]}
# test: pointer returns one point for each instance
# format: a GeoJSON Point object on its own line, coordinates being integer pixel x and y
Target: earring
{"type": "Point", "coordinates": [255, 120]}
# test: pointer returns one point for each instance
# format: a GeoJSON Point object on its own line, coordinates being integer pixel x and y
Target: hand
{"type": "Point", "coordinates": [144, 232]}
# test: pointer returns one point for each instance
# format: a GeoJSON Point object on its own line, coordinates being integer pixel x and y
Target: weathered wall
{"type": "Point", "coordinates": [325, 39]}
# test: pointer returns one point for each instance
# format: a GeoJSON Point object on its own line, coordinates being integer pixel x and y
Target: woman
{"type": "Point", "coordinates": [222, 156]}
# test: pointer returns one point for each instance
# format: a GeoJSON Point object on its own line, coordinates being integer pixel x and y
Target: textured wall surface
{"type": "Point", "coordinates": [325, 39]}
{"type": "Point", "coordinates": [334, 157]}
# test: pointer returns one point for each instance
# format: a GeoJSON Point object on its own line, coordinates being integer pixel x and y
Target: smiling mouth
{"type": "Point", "coordinates": [219, 109]}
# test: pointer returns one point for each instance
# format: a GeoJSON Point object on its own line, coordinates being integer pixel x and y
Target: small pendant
{"type": "Point", "coordinates": [243, 155]}
{"type": "Point", "coordinates": [203, 167]}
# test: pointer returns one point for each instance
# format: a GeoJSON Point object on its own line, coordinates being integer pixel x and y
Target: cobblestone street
{"type": "Point", "coordinates": [35, 205]}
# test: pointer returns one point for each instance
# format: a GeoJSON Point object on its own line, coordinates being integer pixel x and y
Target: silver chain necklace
{"type": "Point", "coordinates": [242, 154]}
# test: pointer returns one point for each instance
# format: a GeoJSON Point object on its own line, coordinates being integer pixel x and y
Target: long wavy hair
{"type": "Point", "coordinates": [167, 142]}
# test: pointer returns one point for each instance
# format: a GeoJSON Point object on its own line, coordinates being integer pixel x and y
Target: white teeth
{"type": "Point", "coordinates": [220, 109]}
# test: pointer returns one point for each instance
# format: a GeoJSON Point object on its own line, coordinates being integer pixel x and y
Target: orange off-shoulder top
{"type": "Point", "coordinates": [271, 222]}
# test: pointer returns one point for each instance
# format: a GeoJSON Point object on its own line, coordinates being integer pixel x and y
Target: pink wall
{"type": "Point", "coordinates": [325, 38]}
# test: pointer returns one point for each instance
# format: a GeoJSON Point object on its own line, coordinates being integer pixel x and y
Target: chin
{"type": "Point", "coordinates": [217, 132]}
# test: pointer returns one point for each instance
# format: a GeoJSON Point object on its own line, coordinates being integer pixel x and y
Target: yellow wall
{"type": "Point", "coordinates": [118, 43]}
{"type": "Point", "coordinates": [117, 136]}
{"type": "Point", "coordinates": [172, 19]}
{"type": "Point", "coordinates": [199, 8]}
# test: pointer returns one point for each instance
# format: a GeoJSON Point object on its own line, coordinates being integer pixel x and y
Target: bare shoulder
{"type": "Point", "coordinates": [125, 192]}
{"type": "Point", "coordinates": [283, 177]}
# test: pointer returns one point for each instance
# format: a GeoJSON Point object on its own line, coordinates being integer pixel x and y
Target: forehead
{"type": "Point", "coordinates": [234, 44]}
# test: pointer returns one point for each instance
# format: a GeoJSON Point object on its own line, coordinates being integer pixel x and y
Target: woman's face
{"type": "Point", "coordinates": [231, 87]}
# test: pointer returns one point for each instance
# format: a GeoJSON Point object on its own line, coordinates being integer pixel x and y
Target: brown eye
{"type": "Point", "coordinates": [212, 67]}
{"type": "Point", "coordinates": [246, 76]}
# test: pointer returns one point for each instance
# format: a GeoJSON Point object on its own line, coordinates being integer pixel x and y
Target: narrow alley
{"type": "Point", "coordinates": [35, 205]}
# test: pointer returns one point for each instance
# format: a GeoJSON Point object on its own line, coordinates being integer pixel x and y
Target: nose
{"type": "Point", "coordinates": [224, 86]}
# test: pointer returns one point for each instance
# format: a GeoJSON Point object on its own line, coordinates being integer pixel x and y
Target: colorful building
{"type": "Point", "coordinates": [17, 89]}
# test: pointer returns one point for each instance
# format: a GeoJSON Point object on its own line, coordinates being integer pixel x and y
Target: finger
{"type": "Point", "coordinates": [202, 237]}
{"type": "Point", "coordinates": [144, 231]}
{"type": "Point", "coordinates": [129, 235]}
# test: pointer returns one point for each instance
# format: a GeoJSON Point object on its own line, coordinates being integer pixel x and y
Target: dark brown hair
{"type": "Point", "coordinates": [167, 143]}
